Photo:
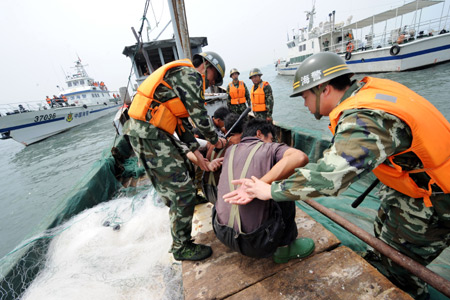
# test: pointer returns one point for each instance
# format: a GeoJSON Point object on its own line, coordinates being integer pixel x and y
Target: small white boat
{"type": "Point", "coordinates": [85, 100]}
{"type": "Point", "coordinates": [404, 47]}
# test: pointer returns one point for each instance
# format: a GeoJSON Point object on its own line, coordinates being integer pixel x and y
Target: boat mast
{"type": "Point", "coordinates": [310, 17]}
{"type": "Point", "coordinates": [180, 28]}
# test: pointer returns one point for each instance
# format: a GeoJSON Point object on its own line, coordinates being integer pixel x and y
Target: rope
{"type": "Point", "coordinates": [133, 60]}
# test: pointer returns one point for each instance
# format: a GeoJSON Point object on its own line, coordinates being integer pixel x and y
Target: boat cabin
{"type": "Point", "coordinates": [154, 54]}
{"type": "Point", "coordinates": [83, 89]}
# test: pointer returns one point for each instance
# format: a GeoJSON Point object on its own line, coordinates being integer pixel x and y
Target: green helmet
{"type": "Point", "coordinates": [318, 68]}
{"type": "Point", "coordinates": [216, 61]}
{"type": "Point", "coordinates": [234, 70]}
{"type": "Point", "coordinates": [253, 72]}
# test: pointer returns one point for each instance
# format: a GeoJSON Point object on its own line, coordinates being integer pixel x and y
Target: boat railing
{"type": "Point", "coordinates": [22, 107]}
{"type": "Point", "coordinates": [400, 35]}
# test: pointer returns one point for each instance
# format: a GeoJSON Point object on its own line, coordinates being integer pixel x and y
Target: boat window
{"type": "Point", "coordinates": [304, 47]}
{"type": "Point", "coordinates": [312, 44]}
{"type": "Point", "coordinates": [75, 83]}
{"type": "Point", "coordinates": [69, 84]}
{"type": "Point", "coordinates": [72, 97]}
{"type": "Point", "coordinates": [81, 82]}
{"type": "Point", "coordinates": [84, 95]}
{"type": "Point", "coordinates": [78, 97]}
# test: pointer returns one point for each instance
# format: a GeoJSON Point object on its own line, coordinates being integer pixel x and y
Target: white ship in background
{"type": "Point", "coordinates": [82, 101]}
{"type": "Point", "coordinates": [402, 47]}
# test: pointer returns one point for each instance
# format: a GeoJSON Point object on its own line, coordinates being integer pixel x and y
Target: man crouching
{"type": "Point", "coordinates": [261, 228]}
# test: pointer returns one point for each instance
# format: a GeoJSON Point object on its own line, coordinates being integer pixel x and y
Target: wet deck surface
{"type": "Point", "coordinates": [331, 272]}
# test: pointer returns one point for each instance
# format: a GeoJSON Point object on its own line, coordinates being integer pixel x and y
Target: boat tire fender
{"type": "Point", "coordinates": [84, 105]}
{"type": "Point", "coordinates": [105, 103]}
{"type": "Point", "coordinates": [348, 55]}
{"type": "Point", "coordinates": [394, 50]}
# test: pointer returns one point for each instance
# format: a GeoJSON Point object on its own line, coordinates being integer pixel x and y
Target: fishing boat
{"type": "Point", "coordinates": [332, 272]}
{"type": "Point", "coordinates": [401, 47]}
{"type": "Point", "coordinates": [82, 101]}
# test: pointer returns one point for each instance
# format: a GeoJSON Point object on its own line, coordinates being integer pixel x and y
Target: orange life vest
{"type": "Point", "coordinates": [49, 101]}
{"type": "Point", "coordinates": [237, 94]}
{"type": "Point", "coordinates": [430, 131]}
{"type": "Point", "coordinates": [258, 97]}
{"type": "Point", "coordinates": [166, 115]}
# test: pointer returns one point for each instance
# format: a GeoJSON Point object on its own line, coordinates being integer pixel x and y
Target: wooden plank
{"type": "Point", "coordinates": [226, 273]}
{"type": "Point", "coordinates": [338, 274]}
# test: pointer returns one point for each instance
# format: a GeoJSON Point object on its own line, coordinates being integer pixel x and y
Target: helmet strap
{"type": "Point", "coordinates": [205, 76]}
{"type": "Point", "coordinates": [318, 92]}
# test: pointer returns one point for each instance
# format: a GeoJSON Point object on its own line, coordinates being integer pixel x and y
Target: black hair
{"type": "Point", "coordinates": [197, 61]}
{"type": "Point", "coordinates": [252, 126]}
{"type": "Point", "coordinates": [221, 113]}
{"type": "Point", "coordinates": [340, 83]}
{"type": "Point", "coordinates": [229, 122]}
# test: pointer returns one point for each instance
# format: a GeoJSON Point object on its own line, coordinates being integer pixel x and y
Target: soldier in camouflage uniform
{"type": "Point", "coordinates": [237, 108]}
{"type": "Point", "coordinates": [165, 157]}
{"type": "Point", "coordinates": [364, 139]}
{"type": "Point", "coordinates": [258, 84]}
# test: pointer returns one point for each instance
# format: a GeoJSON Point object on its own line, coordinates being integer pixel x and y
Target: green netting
{"type": "Point", "coordinates": [132, 169]}
{"type": "Point", "coordinates": [99, 184]}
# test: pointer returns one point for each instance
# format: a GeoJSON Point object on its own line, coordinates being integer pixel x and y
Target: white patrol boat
{"type": "Point", "coordinates": [374, 44]}
{"type": "Point", "coordinates": [82, 101]}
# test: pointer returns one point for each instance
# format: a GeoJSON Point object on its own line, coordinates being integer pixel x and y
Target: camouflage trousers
{"type": "Point", "coordinates": [419, 232]}
{"type": "Point", "coordinates": [237, 108]}
{"type": "Point", "coordinates": [261, 115]}
{"type": "Point", "coordinates": [169, 170]}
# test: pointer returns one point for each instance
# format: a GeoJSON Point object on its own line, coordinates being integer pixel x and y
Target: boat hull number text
{"type": "Point", "coordinates": [44, 117]}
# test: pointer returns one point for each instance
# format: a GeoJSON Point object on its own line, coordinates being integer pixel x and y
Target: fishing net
{"type": "Point", "coordinates": [99, 184]}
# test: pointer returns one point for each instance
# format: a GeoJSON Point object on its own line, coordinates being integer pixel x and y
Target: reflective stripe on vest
{"type": "Point", "coordinates": [166, 115]}
{"type": "Point", "coordinates": [237, 95]}
{"type": "Point", "coordinates": [429, 128]}
{"type": "Point", "coordinates": [258, 97]}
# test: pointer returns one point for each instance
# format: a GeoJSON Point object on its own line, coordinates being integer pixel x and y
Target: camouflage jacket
{"type": "Point", "coordinates": [187, 84]}
{"type": "Point", "coordinates": [363, 139]}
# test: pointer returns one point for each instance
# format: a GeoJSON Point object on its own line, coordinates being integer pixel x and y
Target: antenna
{"type": "Point", "coordinates": [65, 76]}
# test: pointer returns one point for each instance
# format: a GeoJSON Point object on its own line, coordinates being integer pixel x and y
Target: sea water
{"type": "Point", "coordinates": [88, 259]}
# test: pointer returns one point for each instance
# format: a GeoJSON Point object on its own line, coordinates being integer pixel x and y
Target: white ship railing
{"type": "Point", "coordinates": [388, 38]}
{"type": "Point", "coordinates": [22, 107]}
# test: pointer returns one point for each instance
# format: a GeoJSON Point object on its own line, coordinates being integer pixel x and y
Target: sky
{"type": "Point", "coordinates": [41, 40]}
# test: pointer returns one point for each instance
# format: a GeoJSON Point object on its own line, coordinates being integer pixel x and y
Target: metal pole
{"type": "Point", "coordinates": [180, 29]}
{"type": "Point", "coordinates": [439, 283]}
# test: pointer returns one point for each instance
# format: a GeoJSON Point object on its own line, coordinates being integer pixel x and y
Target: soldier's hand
{"type": "Point", "coordinates": [220, 143]}
{"type": "Point", "coordinates": [202, 162]}
{"type": "Point", "coordinates": [248, 190]}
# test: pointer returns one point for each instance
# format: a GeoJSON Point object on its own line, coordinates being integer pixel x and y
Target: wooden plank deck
{"type": "Point", "coordinates": [331, 272]}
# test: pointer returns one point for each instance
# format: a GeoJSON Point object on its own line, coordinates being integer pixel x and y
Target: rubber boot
{"type": "Point", "coordinates": [299, 248]}
{"type": "Point", "coordinates": [191, 251]}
